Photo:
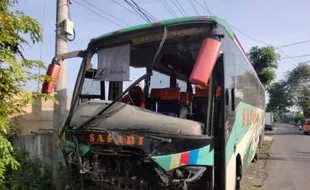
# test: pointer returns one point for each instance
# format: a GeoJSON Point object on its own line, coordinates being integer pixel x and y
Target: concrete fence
{"type": "Point", "coordinates": [38, 144]}
{"type": "Point", "coordinates": [37, 124]}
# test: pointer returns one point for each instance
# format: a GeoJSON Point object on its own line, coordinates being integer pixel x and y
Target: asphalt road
{"type": "Point", "coordinates": [288, 166]}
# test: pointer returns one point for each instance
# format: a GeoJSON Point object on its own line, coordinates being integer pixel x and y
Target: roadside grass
{"type": "Point", "coordinates": [264, 151]}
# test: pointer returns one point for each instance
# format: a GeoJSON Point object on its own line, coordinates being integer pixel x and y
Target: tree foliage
{"type": "Point", "coordinates": [303, 101]}
{"type": "Point", "coordinates": [299, 118]}
{"type": "Point", "coordinates": [265, 62]}
{"type": "Point", "coordinates": [34, 174]}
{"type": "Point", "coordinates": [280, 97]}
{"type": "Point", "coordinates": [293, 90]}
{"type": "Point", "coordinates": [298, 81]}
{"type": "Point", "coordinates": [15, 72]}
{"type": "Point", "coordinates": [298, 78]}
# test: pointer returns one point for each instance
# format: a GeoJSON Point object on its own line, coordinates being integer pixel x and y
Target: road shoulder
{"type": "Point", "coordinates": [256, 174]}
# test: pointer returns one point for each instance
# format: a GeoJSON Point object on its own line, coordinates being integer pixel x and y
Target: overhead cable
{"type": "Point", "coordinates": [177, 7]}
{"type": "Point", "coordinates": [166, 7]}
{"type": "Point", "coordinates": [97, 13]}
{"type": "Point", "coordinates": [138, 11]}
{"type": "Point", "coordinates": [287, 56]}
{"type": "Point", "coordinates": [298, 56]}
{"type": "Point", "coordinates": [204, 7]}
{"type": "Point", "coordinates": [144, 11]}
{"type": "Point", "coordinates": [193, 6]}
{"type": "Point", "coordinates": [175, 15]}
{"type": "Point", "coordinates": [181, 7]}
{"type": "Point", "coordinates": [277, 48]}
{"type": "Point", "coordinates": [296, 43]}
{"type": "Point", "coordinates": [119, 4]}
{"type": "Point", "coordinates": [96, 7]}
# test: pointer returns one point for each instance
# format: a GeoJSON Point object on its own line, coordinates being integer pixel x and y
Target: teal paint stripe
{"type": "Point", "coordinates": [164, 161]}
{"type": "Point", "coordinates": [206, 157]}
{"type": "Point", "coordinates": [69, 146]}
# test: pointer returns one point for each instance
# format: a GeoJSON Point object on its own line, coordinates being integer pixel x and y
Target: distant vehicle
{"type": "Point", "coordinates": [306, 127]}
{"type": "Point", "coordinates": [269, 121]}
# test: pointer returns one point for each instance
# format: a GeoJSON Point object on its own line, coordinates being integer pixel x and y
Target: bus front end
{"type": "Point", "coordinates": [158, 132]}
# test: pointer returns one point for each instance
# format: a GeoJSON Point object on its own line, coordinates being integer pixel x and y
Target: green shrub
{"type": "Point", "coordinates": [33, 174]}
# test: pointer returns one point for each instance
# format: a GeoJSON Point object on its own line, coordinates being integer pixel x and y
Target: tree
{"type": "Point", "coordinates": [280, 97]}
{"type": "Point", "coordinates": [299, 77]}
{"type": "Point", "coordinates": [265, 62]}
{"type": "Point", "coordinates": [298, 81]}
{"type": "Point", "coordinates": [276, 117]}
{"type": "Point", "coordinates": [15, 72]}
{"type": "Point", "coordinates": [299, 118]}
{"type": "Point", "coordinates": [303, 101]}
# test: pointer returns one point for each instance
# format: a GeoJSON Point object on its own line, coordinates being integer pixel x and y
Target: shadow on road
{"type": "Point", "coordinates": [286, 133]}
{"type": "Point", "coordinates": [291, 157]}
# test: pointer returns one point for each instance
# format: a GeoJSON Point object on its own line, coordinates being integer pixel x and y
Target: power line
{"type": "Point", "coordinates": [181, 7]}
{"type": "Point", "coordinates": [177, 7]}
{"type": "Point", "coordinates": [146, 16]}
{"type": "Point", "coordinates": [170, 8]}
{"type": "Point", "coordinates": [265, 43]}
{"type": "Point", "coordinates": [166, 7]}
{"type": "Point", "coordinates": [97, 13]}
{"type": "Point", "coordinates": [298, 56]}
{"type": "Point", "coordinates": [144, 11]}
{"type": "Point", "coordinates": [117, 3]}
{"type": "Point", "coordinates": [193, 6]}
{"type": "Point", "coordinates": [204, 7]}
{"type": "Point", "coordinates": [207, 7]}
{"type": "Point", "coordinates": [277, 48]}
{"type": "Point", "coordinates": [175, 15]}
{"type": "Point", "coordinates": [96, 7]}
{"type": "Point", "coordinates": [137, 11]}
{"type": "Point", "coordinates": [296, 43]}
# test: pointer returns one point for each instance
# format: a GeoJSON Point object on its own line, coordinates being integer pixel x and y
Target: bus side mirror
{"type": "Point", "coordinates": [206, 59]}
{"type": "Point", "coordinates": [53, 71]}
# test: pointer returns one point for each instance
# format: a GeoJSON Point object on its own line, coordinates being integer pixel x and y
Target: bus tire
{"type": "Point", "coordinates": [238, 172]}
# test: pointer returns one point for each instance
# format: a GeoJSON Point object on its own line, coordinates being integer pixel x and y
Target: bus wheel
{"type": "Point", "coordinates": [238, 172]}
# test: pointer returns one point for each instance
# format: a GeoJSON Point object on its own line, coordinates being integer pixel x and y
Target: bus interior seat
{"type": "Point", "coordinates": [152, 101]}
{"type": "Point", "coordinates": [200, 104]}
{"type": "Point", "coordinates": [136, 96]}
{"type": "Point", "coordinates": [169, 102]}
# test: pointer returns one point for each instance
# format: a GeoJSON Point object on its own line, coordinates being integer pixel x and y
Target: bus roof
{"type": "Point", "coordinates": [220, 21]}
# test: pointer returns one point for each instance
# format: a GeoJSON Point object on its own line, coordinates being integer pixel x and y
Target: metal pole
{"type": "Point", "coordinates": [60, 88]}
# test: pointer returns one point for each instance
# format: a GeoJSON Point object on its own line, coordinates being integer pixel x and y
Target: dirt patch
{"type": "Point", "coordinates": [255, 175]}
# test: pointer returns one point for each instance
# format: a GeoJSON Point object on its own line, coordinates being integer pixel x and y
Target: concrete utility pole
{"type": "Point", "coordinates": [61, 85]}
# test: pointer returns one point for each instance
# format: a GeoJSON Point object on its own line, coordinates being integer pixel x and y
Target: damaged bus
{"type": "Point", "coordinates": [193, 119]}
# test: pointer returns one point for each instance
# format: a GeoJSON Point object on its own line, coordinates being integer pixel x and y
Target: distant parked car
{"type": "Point", "coordinates": [269, 121]}
{"type": "Point", "coordinates": [269, 127]}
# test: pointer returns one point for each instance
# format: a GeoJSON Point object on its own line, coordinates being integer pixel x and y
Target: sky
{"type": "Point", "coordinates": [275, 22]}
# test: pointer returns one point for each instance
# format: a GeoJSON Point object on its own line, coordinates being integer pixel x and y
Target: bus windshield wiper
{"type": "Point", "coordinates": [149, 73]}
